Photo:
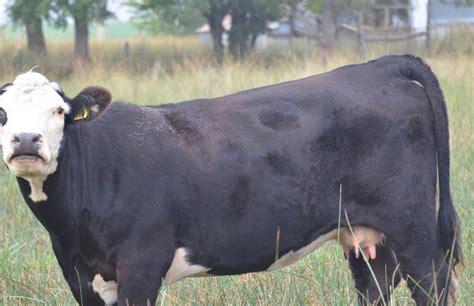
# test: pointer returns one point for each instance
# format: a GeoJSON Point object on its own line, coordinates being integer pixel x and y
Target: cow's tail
{"type": "Point", "coordinates": [449, 228]}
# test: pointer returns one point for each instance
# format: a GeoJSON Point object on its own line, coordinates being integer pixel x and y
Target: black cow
{"type": "Point", "coordinates": [132, 196]}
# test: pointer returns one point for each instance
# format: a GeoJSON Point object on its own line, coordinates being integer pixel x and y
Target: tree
{"type": "Point", "coordinates": [249, 19]}
{"type": "Point", "coordinates": [158, 12]}
{"type": "Point", "coordinates": [330, 12]}
{"type": "Point", "coordinates": [31, 14]}
{"type": "Point", "coordinates": [83, 13]}
{"type": "Point", "coordinates": [292, 8]}
{"type": "Point", "coordinates": [214, 11]}
{"type": "Point", "coordinates": [169, 17]}
{"type": "Point", "coordinates": [328, 25]}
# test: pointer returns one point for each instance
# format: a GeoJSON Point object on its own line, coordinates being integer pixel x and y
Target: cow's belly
{"type": "Point", "coordinates": [293, 256]}
{"type": "Point", "coordinates": [363, 239]}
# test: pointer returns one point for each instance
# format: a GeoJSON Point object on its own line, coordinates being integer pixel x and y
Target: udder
{"type": "Point", "coordinates": [361, 239]}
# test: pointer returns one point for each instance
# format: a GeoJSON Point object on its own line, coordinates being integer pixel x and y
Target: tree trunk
{"type": "Point", "coordinates": [216, 28]}
{"type": "Point", "coordinates": [428, 27]}
{"type": "Point", "coordinates": [328, 25]}
{"type": "Point", "coordinates": [81, 47]}
{"type": "Point", "coordinates": [35, 37]}
{"type": "Point", "coordinates": [240, 36]}
{"type": "Point", "coordinates": [253, 41]}
{"type": "Point", "coordinates": [237, 35]}
{"type": "Point", "coordinates": [292, 18]}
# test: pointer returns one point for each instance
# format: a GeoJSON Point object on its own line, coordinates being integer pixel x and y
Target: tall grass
{"type": "Point", "coordinates": [163, 55]}
{"type": "Point", "coordinates": [173, 70]}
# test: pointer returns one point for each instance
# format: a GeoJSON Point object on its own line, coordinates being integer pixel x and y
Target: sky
{"type": "Point", "coordinates": [2, 12]}
{"type": "Point", "coordinates": [121, 12]}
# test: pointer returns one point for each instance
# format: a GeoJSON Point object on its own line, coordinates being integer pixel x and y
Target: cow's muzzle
{"type": "Point", "coordinates": [26, 147]}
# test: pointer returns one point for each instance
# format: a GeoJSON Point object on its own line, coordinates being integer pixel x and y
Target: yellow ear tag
{"type": "Point", "coordinates": [82, 115]}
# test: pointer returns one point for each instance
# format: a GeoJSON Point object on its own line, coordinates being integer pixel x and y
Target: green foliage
{"type": "Point", "coordinates": [84, 10]}
{"type": "Point", "coordinates": [340, 6]}
{"type": "Point", "coordinates": [208, 7]}
{"type": "Point", "coordinates": [183, 16]}
{"type": "Point", "coordinates": [56, 11]}
{"type": "Point", "coordinates": [23, 11]}
{"type": "Point", "coordinates": [167, 17]}
{"type": "Point", "coordinates": [315, 6]}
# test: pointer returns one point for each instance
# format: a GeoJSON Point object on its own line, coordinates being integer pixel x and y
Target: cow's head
{"type": "Point", "coordinates": [33, 115]}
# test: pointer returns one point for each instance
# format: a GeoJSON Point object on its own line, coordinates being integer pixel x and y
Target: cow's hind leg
{"type": "Point", "coordinates": [375, 279]}
{"type": "Point", "coordinates": [423, 267]}
{"type": "Point", "coordinates": [411, 231]}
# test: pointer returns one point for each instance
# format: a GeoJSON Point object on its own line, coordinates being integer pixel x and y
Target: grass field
{"type": "Point", "coordinates": [29, 274]}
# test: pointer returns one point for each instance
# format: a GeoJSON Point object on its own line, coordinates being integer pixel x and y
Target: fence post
{"type": "Point", "coordinates": [360, 23]}
{"type": "Point", "coordinates": [428, 26]}
{"type": "Point", "coordinates": [126, 53]}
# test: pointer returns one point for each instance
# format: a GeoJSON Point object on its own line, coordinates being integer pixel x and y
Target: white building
{"type": "Point", "coordinates": [443, 13]}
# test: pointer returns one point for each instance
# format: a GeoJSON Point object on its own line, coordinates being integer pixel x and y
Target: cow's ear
{"type": "Point", "coordinates": [89, 104]}
{"type": "Point", "coordinates": [4, 88]}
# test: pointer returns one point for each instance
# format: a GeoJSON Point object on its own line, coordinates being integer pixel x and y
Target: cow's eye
{"type": "Point", "coordinates": [59, 111]}
{"type": "Point", "coordinates": [3, 117]}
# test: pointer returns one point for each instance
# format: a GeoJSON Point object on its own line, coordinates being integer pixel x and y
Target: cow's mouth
{"type": "Point", "coordinates": [25, 158]}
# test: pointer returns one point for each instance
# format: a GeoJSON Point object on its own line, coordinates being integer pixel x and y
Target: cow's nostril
{"type": "Point", "coordinates": [37, 139]}
{"type": "Point", "coordinates": [21, 139]}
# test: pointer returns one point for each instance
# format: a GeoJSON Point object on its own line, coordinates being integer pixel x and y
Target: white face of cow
{"type": "Point", "coordinates": [32, 119]}
{"type": "Point", "coordinates": [31, 125]}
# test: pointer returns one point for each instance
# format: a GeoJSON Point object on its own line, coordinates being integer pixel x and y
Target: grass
{"type": "Point", "coordinates": [29, 274]}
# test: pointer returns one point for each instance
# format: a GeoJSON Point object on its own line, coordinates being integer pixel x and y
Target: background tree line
{"type": "Point", "coordinates": [32, 15]}
{"type": "Point", "coordinates": [249, 19]}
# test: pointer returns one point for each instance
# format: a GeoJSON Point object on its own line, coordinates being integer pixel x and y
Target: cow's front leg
{"type": "Point", "coordinates": [76, 274]}
{"type": "Point", "coordinates": [140, 278]}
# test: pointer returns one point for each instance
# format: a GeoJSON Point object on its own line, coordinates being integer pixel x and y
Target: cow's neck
{"type": "Point", "coordinates": [53, 213]}
{"type": "Point", "coordinates": [67, 188]}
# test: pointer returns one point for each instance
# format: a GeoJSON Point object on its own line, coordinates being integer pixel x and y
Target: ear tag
{"type": "Point", "coordinates": [83, 115]}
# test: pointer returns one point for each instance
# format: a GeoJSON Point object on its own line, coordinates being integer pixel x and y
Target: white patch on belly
{"type": "Point", "coordinates": [106, 290]}
{"type": "Point", "coordinates": [362, 238]}
{"type": "Point", "coordinates": [181, 268]}
{"type": "Point", "coordinates": [294, 256]}
{"type": "Point", "coordinates": [417, 83]}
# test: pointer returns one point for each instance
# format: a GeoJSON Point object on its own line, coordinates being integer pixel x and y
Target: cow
{"type": "Point", "coordinates": [134, 197]}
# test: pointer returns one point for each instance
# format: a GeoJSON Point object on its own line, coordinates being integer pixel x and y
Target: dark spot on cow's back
{"type": "Point", "coordinates": [352, 135]}
{"type": "Point", "coordinates": [240, 196]}
{"type": "Point", "coordinates": [279, 116]}
{"type": "Point", "coordinates": [184, 126]}
{"type": "Point", "coordinates": [233, 150]}
{"type": "Point", "coordinates": [116, 185]}
{"type": "Point", "coordinates": [280, 163]}
{"type": "Point", "coordinates": [413, 128]}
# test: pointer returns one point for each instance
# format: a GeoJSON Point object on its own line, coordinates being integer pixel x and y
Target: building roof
{"type": "Point", "coordinates": [444, 12]}
{"type": "Point", "coordinates": [226, 23]}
